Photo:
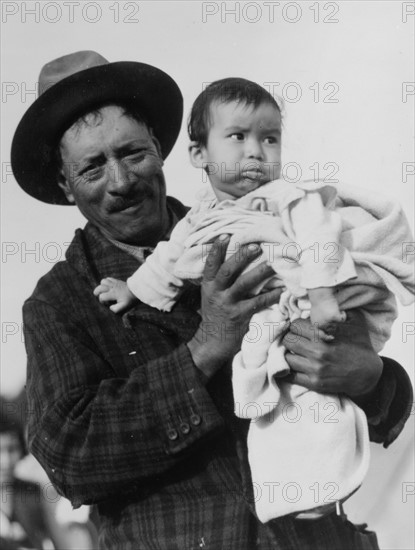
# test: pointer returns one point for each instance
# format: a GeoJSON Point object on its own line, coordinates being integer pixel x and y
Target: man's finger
{"type": "Point", "coordinates": [232, 268]}
{"type": "Point", "coordinates": [355, 320]}
{"type": "Point", "coordinates": [215, 258]}
{"type": "Point", "coordinates": [262, 301]}
{"type": "Point", "coordinates": [303, 328]}
{"type": "Point", "coordinates": [302, 335]}
{"type": "Point", "coordinates": [295, 342]}
{"type": "Point", "coordinates": [299, 363]}
{"type": "Point", "coordinates": [247, 282]}
{"type": "Point", "coordinates": [303, 379]}
{"type": "Point", "coordinates": [230, 271]}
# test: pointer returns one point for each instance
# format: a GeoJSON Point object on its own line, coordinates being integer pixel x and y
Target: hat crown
{"type": "Point", "coordinates": [74, 85]}
{"type": "Point", "coordinates": [65, 66]}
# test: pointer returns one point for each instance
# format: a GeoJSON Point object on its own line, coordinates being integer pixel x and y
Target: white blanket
{"type": "Point", "coordinates": [305, 448]}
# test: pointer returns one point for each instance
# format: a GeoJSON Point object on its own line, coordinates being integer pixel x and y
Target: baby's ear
{"type": "Point", "coordinates": [196, 154]}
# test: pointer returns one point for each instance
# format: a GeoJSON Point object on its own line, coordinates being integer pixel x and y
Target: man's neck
{"type": "Point", "coordinates": [141, 251]}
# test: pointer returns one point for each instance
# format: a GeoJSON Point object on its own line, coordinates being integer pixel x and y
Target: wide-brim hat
{"type": "Point", "coordinates": [70, 87]}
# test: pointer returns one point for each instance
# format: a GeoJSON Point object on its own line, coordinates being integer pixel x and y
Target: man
{"type": "Point", "coordinates": [135, 413]}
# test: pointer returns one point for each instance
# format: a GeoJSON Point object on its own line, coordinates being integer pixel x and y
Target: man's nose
{"type": "Point", "coordinates": [120, 178]}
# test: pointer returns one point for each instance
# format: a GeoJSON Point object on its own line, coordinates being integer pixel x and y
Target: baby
{"type": "Point", "coordinates": [327, 247]}
{"type": "Point", "coordinates": [237, 141]}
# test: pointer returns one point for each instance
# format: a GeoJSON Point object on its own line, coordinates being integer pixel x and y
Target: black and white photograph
{"type": "Point", "coordinates": [208, 275]}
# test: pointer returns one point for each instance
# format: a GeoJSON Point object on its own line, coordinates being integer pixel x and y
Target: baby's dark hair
{"type": "Point", "coordinates": [224, 91]}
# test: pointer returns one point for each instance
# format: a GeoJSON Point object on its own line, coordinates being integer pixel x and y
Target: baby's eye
{"type": "Point", "coordinates": [271, 140]}
{"type": "Point", "coordinates": [237, 136]}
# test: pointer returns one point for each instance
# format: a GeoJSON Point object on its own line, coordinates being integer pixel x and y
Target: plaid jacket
{"type": "Point", "coordinates": [120, 417]}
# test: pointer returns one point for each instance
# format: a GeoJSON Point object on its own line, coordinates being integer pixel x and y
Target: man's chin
{"type": "Point", "coordinates": [139, 224]}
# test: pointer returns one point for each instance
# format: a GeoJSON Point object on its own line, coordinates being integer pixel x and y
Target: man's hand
{"type": "Point", "coordinates": [228, 304]}
{"type": "Point", "coordinates": [348, 364]}
{"type": "Point", "coordinates": [112, 290]}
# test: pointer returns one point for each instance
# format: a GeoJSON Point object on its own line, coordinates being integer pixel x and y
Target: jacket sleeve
{"type": "Point", "coordinates": [98, 435]}
{"type": "Point", "coordinates": [391, 404]}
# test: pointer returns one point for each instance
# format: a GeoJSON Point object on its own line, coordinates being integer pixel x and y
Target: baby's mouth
{"type": "Point", "coordinates": [258, 176]}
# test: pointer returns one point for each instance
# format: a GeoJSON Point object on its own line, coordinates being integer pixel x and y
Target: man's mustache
{"type": "Point", "coordinates": [130, 199]}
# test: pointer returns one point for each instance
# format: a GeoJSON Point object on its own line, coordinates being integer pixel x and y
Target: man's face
{"type": "Point", "coordinates": [243, 150]}
{"type": "Point", "coordinates": [112, 170]}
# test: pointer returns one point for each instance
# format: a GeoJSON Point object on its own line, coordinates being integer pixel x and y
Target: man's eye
{"type": "Point", "coordinates": [91, 172]}
{"type": "Point", "coordinates": [136, 153]}
{"type": "Point", "coordinates": [237, 136]}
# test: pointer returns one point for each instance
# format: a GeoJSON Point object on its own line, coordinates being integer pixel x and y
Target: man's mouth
{"type": "Point", "coordinates": [123, 205]}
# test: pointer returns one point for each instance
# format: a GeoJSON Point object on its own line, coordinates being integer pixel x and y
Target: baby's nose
{"type": "Point", "coordinates": [254, 149]}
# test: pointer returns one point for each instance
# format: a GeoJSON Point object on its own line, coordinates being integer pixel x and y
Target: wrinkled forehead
{"type": "Point", "coordinates": [96, 117]}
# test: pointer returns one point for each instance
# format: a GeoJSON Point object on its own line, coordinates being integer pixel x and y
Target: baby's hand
{"type": "Point", "coordinates": [326, 321]}
{"type": "Point", "coordinates": [114, 290]}
{"type": "Point", "coordinates": [325, 313]}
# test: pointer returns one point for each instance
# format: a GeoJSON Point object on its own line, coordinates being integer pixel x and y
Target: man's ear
{"type": "Point", "coordinates": [156, 143]}
{"type": "Point", "coordinates": [196, 154]}
{"type": "Point", "coordinates": [64, 185]}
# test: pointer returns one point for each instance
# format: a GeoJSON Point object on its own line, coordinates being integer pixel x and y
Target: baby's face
{"type": "Point", "coordinates": [243, 150]}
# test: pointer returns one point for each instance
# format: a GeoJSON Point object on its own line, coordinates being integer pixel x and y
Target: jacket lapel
{"type": "Point", "coordinates": [94, 257]}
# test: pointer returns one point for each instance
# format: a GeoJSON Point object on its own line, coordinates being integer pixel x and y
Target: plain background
{"type": "Point", "coordinates": [345, 73]}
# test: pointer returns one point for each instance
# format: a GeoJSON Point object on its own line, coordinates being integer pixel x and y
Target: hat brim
{"type": "Point", "coordinates": [147, 88]}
